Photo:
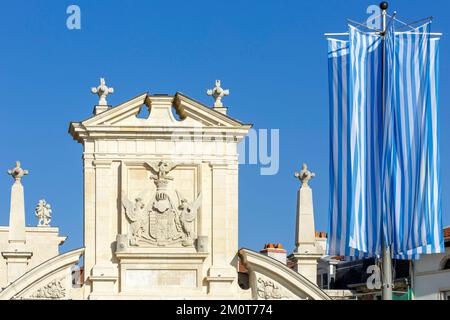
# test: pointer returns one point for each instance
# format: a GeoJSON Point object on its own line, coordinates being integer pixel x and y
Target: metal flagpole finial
{"type": "Point", "coordinates": [384, 6]}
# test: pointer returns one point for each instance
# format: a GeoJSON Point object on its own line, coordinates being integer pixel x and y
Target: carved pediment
{"type": "Point", "coordinates": [166, 115]}
{"type": "Point", "coordinates": [188, 110]}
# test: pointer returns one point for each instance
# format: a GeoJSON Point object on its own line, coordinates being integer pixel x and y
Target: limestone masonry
{"type": "Point", "coordinates": [160, 213]}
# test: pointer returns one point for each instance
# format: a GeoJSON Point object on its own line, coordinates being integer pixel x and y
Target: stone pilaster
{"type": "Point", "coordinates": [104, 274]}
{"type": "Point", "coordinates": [17, 264]}
{"type": "Point", "coordinates": [221, 275]}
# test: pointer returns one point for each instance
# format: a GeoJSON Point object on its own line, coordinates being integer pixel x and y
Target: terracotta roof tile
{"type": "Point", "coordinates": [447, 234]}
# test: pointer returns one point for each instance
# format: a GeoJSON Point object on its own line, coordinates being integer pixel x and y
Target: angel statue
{"type": "Point", "coordinates": [138, 214]}
{"type": "Point", "coordinates": [44, 213]}
{"type": "Point", "coordinates": [188, 214]}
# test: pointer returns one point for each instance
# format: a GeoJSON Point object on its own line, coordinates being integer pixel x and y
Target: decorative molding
{"type": "Point", "coordinates": [17, 255]}
{"type": "Point", "coordinates": [103, 164]}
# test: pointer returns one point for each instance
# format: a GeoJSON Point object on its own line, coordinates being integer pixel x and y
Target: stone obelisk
{"type": "Point", "coordinates": [306, 253]}
{"type": "Point", "coordinates": [17, 210]}
{"type": "Point", "coordinates": [17, 255]}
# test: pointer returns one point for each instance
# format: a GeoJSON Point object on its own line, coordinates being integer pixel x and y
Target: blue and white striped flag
{"type": "Point", "coordinates": [384, 163]}
{"type": "Point", "coordinates": [355, 89]}
{"type": "Point", "coordinates": [413, 197]}
{"type": "Point", "coordinates": [340, 192]}
{"type": "Point", "coordinates": [366, 140]}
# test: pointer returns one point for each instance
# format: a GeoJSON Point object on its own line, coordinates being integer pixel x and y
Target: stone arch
{"type": "Point", "coordinates": [445, 263]}
{"type": "Point", "coordinates": [271, 280]}
{"type": "Point", "coordinates": [49, 280]}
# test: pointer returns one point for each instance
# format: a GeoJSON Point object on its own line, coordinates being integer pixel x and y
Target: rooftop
{"type": "Point", "coordinates": [447, 234]}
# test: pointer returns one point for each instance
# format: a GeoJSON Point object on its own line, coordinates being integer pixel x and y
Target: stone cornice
{"type": "Point", "coordinates": [182, 103]}
{"type": "Point", "coordinates": [17, 255]}
{"type": "Point", "coordinates": [103, 164]}
{"type": "Point", "coordinates": [81, 133]}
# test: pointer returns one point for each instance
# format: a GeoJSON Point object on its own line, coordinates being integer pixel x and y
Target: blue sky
{"type": "Point", "coordinates": [270, 54]}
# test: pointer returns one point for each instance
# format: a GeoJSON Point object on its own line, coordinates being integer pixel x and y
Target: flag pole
{"type": "Point", "coordinates": [386, 260]}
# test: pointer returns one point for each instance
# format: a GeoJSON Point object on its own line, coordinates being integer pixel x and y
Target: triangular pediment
{"type": "Point", "coordinates": [166, 117]}
{"type": "Point", "coordinates": [164, 111]}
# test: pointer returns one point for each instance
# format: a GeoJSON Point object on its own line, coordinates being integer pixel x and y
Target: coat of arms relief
{"type": "Point", "coordinates": [162, 221]}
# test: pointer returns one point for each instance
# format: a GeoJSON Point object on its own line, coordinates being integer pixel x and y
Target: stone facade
{"type": "Point", "coordinates": [42, 242]}
{"type": "Point", "coordinates": [160, 212]}
{"type": "Point", "coordinates": [155, 189]}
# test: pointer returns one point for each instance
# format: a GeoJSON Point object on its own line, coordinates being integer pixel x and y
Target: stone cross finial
{"type": "Point", "coordinates": [17, 173]}
{"type": "Point", "coordinates": [305, 175]}
{"type": "Point", "coordinates": [218, 93]}
{"type": "Point", "coordinates": [102, 91]}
